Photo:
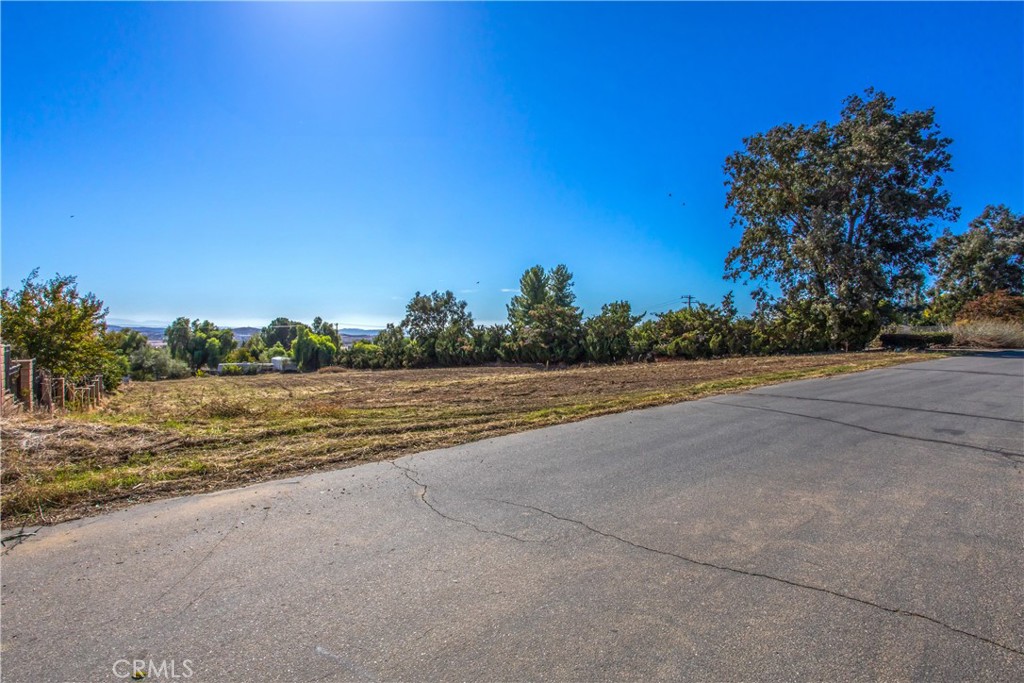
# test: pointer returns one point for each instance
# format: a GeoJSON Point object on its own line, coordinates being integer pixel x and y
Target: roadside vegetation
{"type": "Point", "coordinates": [839, 232]}
{"type": "Point", "coordinates": [162, 439]}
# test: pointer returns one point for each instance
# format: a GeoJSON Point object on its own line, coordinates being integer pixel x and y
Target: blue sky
{"type": "Point", "coordinates": [242, 161]}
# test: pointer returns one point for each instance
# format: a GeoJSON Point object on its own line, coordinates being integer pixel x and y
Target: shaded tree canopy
{"type": "Point", "coordinates": [842, 213]}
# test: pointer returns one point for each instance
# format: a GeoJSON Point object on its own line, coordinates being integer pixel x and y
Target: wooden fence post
{"type": "Point", "coordinates": [63, 391]}
{"type": "Point", "coordinates": [25, 382]}
{"type": "Point", "coordinates": [46, 392]}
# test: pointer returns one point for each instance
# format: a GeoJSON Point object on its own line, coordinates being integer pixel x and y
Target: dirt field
{"type": "Point", "coordinates": [163, 439]}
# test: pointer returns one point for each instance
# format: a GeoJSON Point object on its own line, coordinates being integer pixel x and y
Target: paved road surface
{"type": "Point", "coordinates": [862, 527]}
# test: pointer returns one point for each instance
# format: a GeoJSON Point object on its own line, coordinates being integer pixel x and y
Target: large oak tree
{"type": "Point", "coordinates": [841, 213]}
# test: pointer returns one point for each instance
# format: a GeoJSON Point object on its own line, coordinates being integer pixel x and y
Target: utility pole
{"type": "Point", "coordinates": [689, 300]}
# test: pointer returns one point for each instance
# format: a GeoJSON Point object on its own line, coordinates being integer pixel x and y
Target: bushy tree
{"type": "Point", "coordinates": [841, 214]}
{"type": "Point", "coordinates": [454, 346]}
{"type": "Point", "coordinates": [491, 343]}
{"type": "Point", "coordinates": [149, 363]}
{"type": "Point", "coordinates": [703, 331]}
{"type": "Point", "coordinates": [986, 258]}
{"type": "Point", "coordinates": [122, 345]}
{"type": "Point", "coordinates": [199, 343]}
{"type": "Point", "coordinates": [789, 326]}
{"type": "Point", "coordinates": [178, 336]}
{"type": "Point", "coordinates": [253, 350]}
{"type": "Point", "coordinates": [606, 337]}
{"type": "Point", "coordinates": [326, 329]}
{"type": "Point", "coordinates": [533, 292]}
{"type": "Point", "coordinates": [125, 341]}
{"type": "Point", "coordinates": [275, 351]}
{"type": "Point", "coordinates": [364, 355]}
{"type": "Point", "coordinates": [280, 331]}
{"type": "Point", "coordinates": [997, 305]}
{"type": "Point", "coordinates": [546, 326]}
{"type": "Point", "coordinates": [553, 336]}
{"type": "Point", "coordinates": [434, 317]}
{"type": "Point", "coordinates": [312, 351]}
{"type": "Point", "coordinates": [397, 350]}
{"type": "Point", "coordinates": [61, 328]}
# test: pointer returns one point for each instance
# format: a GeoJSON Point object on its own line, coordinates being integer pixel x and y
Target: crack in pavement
{"type": "Point", "coordinates": [423, 497]}
{"type": "Point", "coordinates": [1012, 456]}
{"type": "Point", "coordinates": [883, 405]}
{"type": "Point", "coordinates": [761, 575]}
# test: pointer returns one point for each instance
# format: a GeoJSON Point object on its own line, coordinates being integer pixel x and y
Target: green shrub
{"type": "Point", "coordinates": [606, 337]}
{"type": "Point", "coordinates": [915, 340]}
{"type": "Point", "coordinates": [364, 355]}
{"type": "Point", "coordinates": [490, 342]}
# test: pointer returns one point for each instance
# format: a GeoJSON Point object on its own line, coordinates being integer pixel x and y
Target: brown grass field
{"type": "Point", "coordinates": [162, 439]}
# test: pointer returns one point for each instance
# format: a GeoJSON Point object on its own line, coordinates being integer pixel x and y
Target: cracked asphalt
{"type": "Point", "coordinates": [863, 527]}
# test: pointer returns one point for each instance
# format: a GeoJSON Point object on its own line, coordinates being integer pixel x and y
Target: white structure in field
{"type": "Point", "coordinates": [283, 364]}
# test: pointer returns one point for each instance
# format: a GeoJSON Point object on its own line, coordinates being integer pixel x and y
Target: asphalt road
{"type": "Point", "coordinates": [862, 527]}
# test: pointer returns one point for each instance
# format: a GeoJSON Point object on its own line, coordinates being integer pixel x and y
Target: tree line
{"type": "Point", "coordinates": [836, 228]}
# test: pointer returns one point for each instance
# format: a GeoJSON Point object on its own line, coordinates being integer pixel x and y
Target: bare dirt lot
{"type": "Point", "coordinates": [163, 439]}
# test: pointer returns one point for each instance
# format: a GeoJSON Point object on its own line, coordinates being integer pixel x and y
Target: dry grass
{"type": "Point", "coordinates": [989, 334]}
{"type": "Point", "coordinates": [162, 439]}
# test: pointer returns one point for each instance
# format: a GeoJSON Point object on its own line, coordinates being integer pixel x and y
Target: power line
{"type": "Point", "coordinates": [688, 299]}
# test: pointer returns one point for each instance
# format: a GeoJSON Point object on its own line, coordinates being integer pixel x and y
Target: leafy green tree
{"type": "Point", "coordinates": [199, 343]}
{"type": "Point", "coordinates": [454, 345]}
{"type": "Point", "coordinates": [546, 326]}
{"type": "Point", "coordinates": [988, 257]}
{"type": "Point", "coordinates": [312, 351]}
{"type": "Point", "coordinates": [533, 292]}
{"type": "Point", "coordinates": [704, 331]}
{"type": "Point", "coordinates": [790, 326]}
{"type": "Point", "coordinates": [275, 351]}
{"type": "Point", "coordinates": [397, 350]}
{"type": "Point", "coordinates": [122, 344]}
{"type": "Point", "coordinates": [554, 336]}
{"type": "Point", "coordinates": [490, 343]}
{"type": "Point", "coordinates": [60, 328]}
{"type": "Point", "coordinates": [364, 355]}
{"type": "Point", "coordinates": [280, 330]}
{"type": "Point", "coordinates": [149, 363]}
{"type": "Point", "coordinates": [560, 286]}
{"type": "Point", "coordinates": [326, 329]}
{"type": "Point", "coordinates": [178, 336]}
{"type": "Point", "coordinates": [606, 337]}
{"type": "Point", "coordinates": [125, 341]}
{"type": "Point", "coordinates": [392, 342]}
{"type": "Point", "coordinates": [842, 213]}
{"type": "Point", "coordinates": [253, 350]}
{"type": "Point", "coordinates": [429, 316]}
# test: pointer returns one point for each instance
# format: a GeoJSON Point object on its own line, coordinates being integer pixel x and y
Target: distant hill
{"type": "Point", "coordinates": [155, 335]}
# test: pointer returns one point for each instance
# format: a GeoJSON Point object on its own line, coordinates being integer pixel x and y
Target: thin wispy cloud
{"type": "Point", "coordinates": [506, 290]}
